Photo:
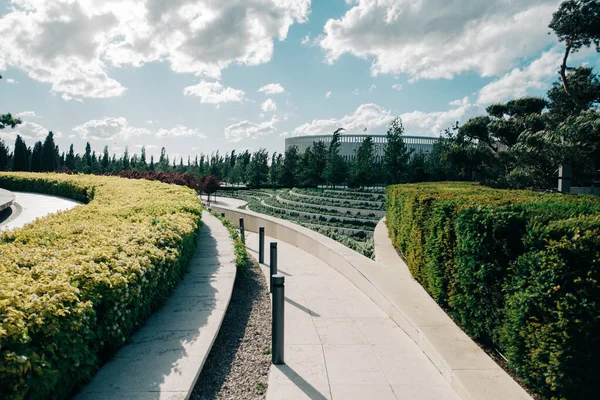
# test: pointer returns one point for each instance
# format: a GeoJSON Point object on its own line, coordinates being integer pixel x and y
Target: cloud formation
{"type": "Point", "coordinates": [272, 88]}
{"type": "Point", "coordinates": [71, 44]}
{"type": "Point", "coordinates": [268, 106]}
{"type": "Point", "coordinates": [214, 93]}
{"type": "Point", "coordinates": [249, 130]}
{"type": "Point", "coordinates": [440, 39]}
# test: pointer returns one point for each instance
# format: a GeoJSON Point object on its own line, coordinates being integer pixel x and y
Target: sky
{"type": "Point", "coordinates": [206, 75]}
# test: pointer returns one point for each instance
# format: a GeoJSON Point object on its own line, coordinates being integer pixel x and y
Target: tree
{"type": "Point", "coordinates": [258, 168]}
{"type": "Point", "coordinates": [290, 167]}
{"type": "Point", "coordinates": [49, 154]}
{"type": "Point", "coordinates": [4, 152]}
{"type": "Point", "coordinates": [336, 169]}
{"type": "Point", "coordinates": [20, 155]}
{"type": "Point", "coordinates": [70, 159]}
{"type": "Point", "coordinates": [105, 162]}
{"type": "Point", "coordinates": [361, 168]}
{"type": "Point", "coordinates": [36, 157]}
{"type": "Point", "coordinates": [142, 164]}
{"type": "Point", "coordinates": [210, 184]}
{"type": "Point", "coordinates": [396, 154]}
{"type": "Point", "coordinates": [584, 83]}
{"type": "Point", "coordinates": [276, 168]}
{"type": "Point", "coordinates": [577, 25]}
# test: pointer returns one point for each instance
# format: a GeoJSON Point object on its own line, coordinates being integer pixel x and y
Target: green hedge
{"type": "Point", "coordinates": [517, 270]}
{"type": "Point", "coordinates": [75, 285]}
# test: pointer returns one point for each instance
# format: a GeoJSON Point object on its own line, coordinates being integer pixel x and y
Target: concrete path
{"type": "Point", "coordinates": [30, 206]}
{"type": "Point", "coordinates": [166, 356]}
{"type": "Point", "coordinates": [338, 343]}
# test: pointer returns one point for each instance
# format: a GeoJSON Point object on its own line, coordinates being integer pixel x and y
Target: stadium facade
{"type": "Point", "coordinates": [350, 143]}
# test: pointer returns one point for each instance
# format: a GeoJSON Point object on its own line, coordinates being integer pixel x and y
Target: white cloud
{"type": "Point", "coordinates": [108, 128]}
{"type": "Point", "coordinates": [366, 116]}
{"type": "Point", "coordinates": [72, 44]}
{"type": "Point", "coordinates": [459, 102]}
{"type": "Point", "coordinates": [373, 87]}
{"type": "Point", "coordinates": [517, 82]}
{"type": "Point", "coordinates": [28, 130]}
{"type": "Point", "coordinates": [421, 123]}
{"type": "Point", "coordinates": [328, 95]}
{"type": "Point", "coordinates": [356, 92]}
{"type": "Point", "coordinates": [10, 80]}
{"type": "Point", "coordinates": [272, 88]}
{"type": "Point", "coordinates": [27, 114]}
{"type": "Point", "coordinates": [179, 131]}
{"type": "Point", "coordinates": [437, 39]}
{"type": "Point", "coordinates": [377, 120]}
{"type": "Point", "coordinates": [152, 121]}
{"type": "Point", "coordinates": [398, 87]}
{"type": "Point", "coordinates": [268, 105]}
{"type": "Point", "coordinates": [214, 93]}
{"type": "Point", "coordinates": [305, 40]}
{"type": "Point", "coordinates": [246, 130]}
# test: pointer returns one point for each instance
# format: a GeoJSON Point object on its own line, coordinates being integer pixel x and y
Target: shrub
{"type": "Point", "coordinates": [516, 269]}
{"type": "Point", "coordinates": [75, 285]}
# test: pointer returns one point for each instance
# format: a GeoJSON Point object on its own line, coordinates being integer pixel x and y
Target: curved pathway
{"type": "Point", "coordinates": [30, 206]}
{"type": "Point", "coordinates": [166, 355]}
{"type": "Point", "coordinates": [338, 343]}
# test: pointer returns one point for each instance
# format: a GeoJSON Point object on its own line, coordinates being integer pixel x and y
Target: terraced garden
{"type": "Point", "coordinates": [349, 217]}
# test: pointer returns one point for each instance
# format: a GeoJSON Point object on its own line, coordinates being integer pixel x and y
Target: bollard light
{"type": "Point", "coordinates": [242, 230]}
{"type": "Point", "coordinates": [277, 327]}
{"type": "Point", "coordinates": [261, 244]}
{"type": "Point", "coordinates": [272, 265]}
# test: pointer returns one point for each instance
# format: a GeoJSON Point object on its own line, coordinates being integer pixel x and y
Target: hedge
{"type": "Point", "coordinates": [75, 285]}
{"type": "Point", "coordinates": [517, 270]}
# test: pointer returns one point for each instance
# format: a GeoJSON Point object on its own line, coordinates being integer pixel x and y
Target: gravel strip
{"type": "Point", "coordinates": [238, 364]}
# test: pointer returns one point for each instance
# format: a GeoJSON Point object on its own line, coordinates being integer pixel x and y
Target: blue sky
{"type": "Point", "coordinates": [185, 74]}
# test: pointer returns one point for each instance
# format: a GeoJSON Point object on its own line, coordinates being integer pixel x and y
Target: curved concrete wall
{"type": "Point", "coordinates": [472, 373]}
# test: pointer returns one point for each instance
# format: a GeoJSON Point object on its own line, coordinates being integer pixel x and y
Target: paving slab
{"type": "Point", "coordinates": [338, 342]}
{"type": "Point", "coordinates": [165, 357]}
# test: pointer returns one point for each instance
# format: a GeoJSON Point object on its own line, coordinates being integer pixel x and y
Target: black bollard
{"type": "Point", "coordinates": [272, 264]}
{"type": "Point", "coordinates": [242, 230]}
{"type": "Point", "coordinates": [261, 244]}
{"type": "Point", "coordinates": [277, 327]}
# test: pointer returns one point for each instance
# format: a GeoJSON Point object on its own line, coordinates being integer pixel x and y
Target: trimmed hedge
{"type": "Point", "coordinates": [517, 270]}
{"type": "Point", "coordinates": [75, 285]}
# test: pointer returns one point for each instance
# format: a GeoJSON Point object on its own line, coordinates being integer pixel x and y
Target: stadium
{"type": "Point", "coordinates": [351, 142]}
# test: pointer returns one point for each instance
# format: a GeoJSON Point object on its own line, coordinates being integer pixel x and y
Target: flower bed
{"type": "Point", "coordinates": [75, 285]}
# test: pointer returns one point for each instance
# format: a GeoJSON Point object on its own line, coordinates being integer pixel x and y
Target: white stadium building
{"type": "Point", "coordinates": [350, 143]}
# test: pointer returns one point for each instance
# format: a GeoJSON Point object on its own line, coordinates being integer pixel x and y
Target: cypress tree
{"type": "Point", "coordinates": [48, 163]}
{"type": "Point", "coordinates": [36, 157]}
{"type": "Point", "coordinates": [20, 155]}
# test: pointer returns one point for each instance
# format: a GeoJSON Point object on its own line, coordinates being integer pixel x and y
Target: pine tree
{"type": "Point", "coordinates": [3, 155]}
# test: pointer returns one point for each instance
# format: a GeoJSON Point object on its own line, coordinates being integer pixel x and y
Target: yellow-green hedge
{"type": "Point", "coordinates": [75, 285]}
{"type": "Point", "coordinates": [518, 270]}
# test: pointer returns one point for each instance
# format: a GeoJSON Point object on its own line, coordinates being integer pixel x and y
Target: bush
{"type": "Point", "coordinates": [75, 285]}
{"type": "Point", "coordinates": [516, 269]}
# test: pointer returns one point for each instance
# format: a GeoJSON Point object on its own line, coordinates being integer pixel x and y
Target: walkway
{"type": "Point", "coordinates": [166, 356]}
{"type": "Point", "coordinates": [30, 206]}
{"type": "Point", "coordinates": [338, 343]}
